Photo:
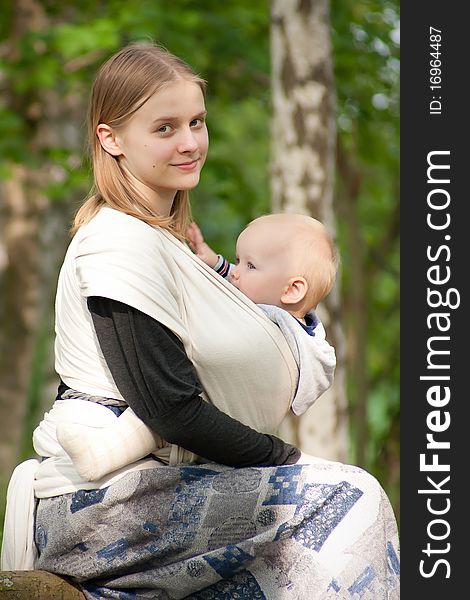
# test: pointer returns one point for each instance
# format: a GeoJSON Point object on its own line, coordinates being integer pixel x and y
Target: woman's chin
{"type": "Point", "coordinates": [190, 182]}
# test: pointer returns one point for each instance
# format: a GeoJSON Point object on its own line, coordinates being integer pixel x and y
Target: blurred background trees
{"type": "Point", "coordinates": [49, 52]}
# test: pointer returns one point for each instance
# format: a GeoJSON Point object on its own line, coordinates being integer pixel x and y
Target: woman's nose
{"type": "Point", "coordinates": [187, 142]}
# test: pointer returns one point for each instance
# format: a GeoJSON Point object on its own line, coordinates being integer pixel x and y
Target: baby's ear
{"type": "Point", "coordinates": [295, 291]}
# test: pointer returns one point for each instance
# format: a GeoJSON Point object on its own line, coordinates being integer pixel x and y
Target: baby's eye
{"type": "Point", "coordinates": [237, 260]}
{"type": "Point", "coordinates": [250, 265]}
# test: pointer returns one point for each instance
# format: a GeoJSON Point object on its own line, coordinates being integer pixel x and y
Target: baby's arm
{"type": "Point", "coordinates": [199, 246]}
{"type": "Point", "coordinates": [205, 252]}
{"type": "Point", "coordinates": [95, 452]}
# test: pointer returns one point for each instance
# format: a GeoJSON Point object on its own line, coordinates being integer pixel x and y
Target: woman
{"type": "Point", "coordinates": [141, 321]}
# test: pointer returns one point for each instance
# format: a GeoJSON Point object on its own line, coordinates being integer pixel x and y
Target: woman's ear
{"type": "Point", "coordinates": [295, 291]}
{"type": "Point", "coordinates": [108, 139]}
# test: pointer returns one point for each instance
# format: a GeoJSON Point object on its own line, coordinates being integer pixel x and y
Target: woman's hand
{"type": "Point", "coordinates": [199, 246]}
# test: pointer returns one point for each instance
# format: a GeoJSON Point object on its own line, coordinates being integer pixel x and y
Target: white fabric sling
{"type": "Point", "coordinates": [18, 548]}
{"type": "Point", "coordinates": [241, 357]}
{"type": "Point", "coordinates": [96, 451]}
{"type": "Point", "coordinates": [53, 475]}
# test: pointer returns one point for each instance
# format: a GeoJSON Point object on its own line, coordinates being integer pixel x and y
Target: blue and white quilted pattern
{"type": "Point", "coordinates": [318, 532]}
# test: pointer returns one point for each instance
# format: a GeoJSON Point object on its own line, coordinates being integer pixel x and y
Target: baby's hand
{"type": "Point", "coordinates": [199, 246]}
{"type": "Point", "coordinates": [195, 237]}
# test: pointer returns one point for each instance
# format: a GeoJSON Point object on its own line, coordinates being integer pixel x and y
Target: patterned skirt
{"type": "Point", "coordinates": [304, 532]}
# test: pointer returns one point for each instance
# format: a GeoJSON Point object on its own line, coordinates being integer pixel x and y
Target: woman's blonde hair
{"type": "Point", "coordinates": [122, 85]}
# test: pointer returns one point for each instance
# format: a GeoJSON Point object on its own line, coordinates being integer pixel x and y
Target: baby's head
{"type": "Point", "coordinates": [288, 260]}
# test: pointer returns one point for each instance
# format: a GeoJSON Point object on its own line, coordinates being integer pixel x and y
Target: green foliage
{"type": "Point", "coordinates": [11, 138]}
{"type": "Point", "coordinates": [366, 52]}
{"type": "Point", "coordinates": [71, 41]}
{"type": "Point", "coordinates": [233, 191]}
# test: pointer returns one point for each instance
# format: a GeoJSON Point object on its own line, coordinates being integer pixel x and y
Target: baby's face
{"type": "Point", "coordinates": [261, 270]}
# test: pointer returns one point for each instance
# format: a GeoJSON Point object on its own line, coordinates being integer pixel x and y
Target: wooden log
{"type": "Point", "coordinates": [37, 585]}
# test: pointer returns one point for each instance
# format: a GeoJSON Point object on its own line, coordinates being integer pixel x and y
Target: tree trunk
{"type": "Point", "coordinates": [18, 315]}
{"type": "Point", "coordinates": [33, 234]}
{"type": "Point", "coordinates": [359, 323]}
{"type": "Point", "coordinates": [303, 158]}
{"type": "Point", "coordinates": [22, 205]}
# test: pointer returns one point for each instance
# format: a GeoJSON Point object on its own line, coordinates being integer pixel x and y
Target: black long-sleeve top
{"type": "Point", "coordinates": [158, 381]}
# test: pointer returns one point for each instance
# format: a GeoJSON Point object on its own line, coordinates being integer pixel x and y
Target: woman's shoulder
{"type": "Point", "coordinates": [113, 228]}
{"type": "Point", "coordinates": [107, 218]}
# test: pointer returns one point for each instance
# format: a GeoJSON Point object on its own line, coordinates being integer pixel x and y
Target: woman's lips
{"type": "Point", "coordinates": [187, 166]}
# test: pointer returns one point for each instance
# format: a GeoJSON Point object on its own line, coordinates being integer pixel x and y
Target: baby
{"type": "Point", "coordinates": [286, 264]}
{"type": "Point", "coordinates": [285, 260]}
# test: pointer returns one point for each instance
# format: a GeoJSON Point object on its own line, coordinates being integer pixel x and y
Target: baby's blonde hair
{"type": "Point", "coordinates": [122, 85]}
{"type": "Point", "coordinates": [311, 251]}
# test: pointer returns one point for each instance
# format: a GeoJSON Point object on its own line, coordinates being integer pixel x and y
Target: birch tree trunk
{"type": "Point", "coordinates": [302, 178]}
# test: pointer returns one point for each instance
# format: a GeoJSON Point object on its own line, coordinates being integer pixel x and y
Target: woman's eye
{"type": "Point", "coordinates": [164, 129]}
{"type": "Point", "coordinates": [196, 122]}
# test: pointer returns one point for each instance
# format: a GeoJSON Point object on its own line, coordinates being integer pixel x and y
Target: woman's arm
{"type": "Point", "coordinates": [153, 373]}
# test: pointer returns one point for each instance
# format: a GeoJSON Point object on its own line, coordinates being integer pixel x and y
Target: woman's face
{"type": "Point", "coordinates": [164, 145]}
